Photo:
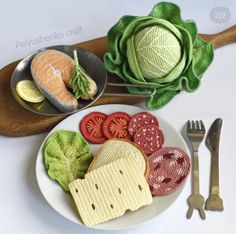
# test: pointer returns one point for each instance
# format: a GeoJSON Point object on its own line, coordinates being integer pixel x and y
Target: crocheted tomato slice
{"type": "Point", "coordinates": [139, 120]}
{"type": "Point", "coordinates": [116, 125]}
{"type": "Point", "coordinates": [169, 168]}
{"type": "Point", "coordinates": [91, 127]}
{"type": "Point", "coordinates": [150, 138]}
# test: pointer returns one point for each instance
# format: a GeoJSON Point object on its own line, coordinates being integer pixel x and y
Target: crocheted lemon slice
{"type": "Point", "coordinates": [28, 91]}
{"type": "Point", "coordinates": [67, 157]}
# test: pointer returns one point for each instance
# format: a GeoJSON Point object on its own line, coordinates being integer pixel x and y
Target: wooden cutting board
{"type": "Point", "coordinates": [17, 121]}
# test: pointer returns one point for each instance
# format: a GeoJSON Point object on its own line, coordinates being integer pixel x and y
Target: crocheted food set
{"type": "Point", "coordinates": [131, 164]}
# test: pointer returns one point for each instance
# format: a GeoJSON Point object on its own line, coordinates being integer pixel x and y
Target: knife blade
{"type": "Point", "coordinates": [214, 202]}
{"type": "Point", "coordinates": [213, 135]}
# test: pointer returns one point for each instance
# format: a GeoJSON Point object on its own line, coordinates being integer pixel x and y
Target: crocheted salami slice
{"type": "Point", "coordinates": [169, 168]}
{"type": "Point", "coordinates": [139, 120]}
{"type": "Point", "coordinates": [150, 138]}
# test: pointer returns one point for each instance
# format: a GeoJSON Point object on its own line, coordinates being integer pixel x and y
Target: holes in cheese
{"type": "Point", "coordinates": [93, 206]}
{"type": "Point", "coordinates": [140, 187]}
{"type": "Point", "coordinates": [121, 186]}
{"type": "Point", "coordinates": [119, 190]}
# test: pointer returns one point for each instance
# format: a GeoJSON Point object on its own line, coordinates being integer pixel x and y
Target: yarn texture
{"type": "Point", "coordinates": [161, 50]}
{"type": "Point", "coordinates": [67, 157]}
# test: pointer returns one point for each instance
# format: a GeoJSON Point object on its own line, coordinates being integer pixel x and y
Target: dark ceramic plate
{"type": "Point", "coordinates": [92, 65]}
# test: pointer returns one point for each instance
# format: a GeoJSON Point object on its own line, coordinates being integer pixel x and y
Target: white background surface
{"type": "Point", "coordinates": [23, 209]}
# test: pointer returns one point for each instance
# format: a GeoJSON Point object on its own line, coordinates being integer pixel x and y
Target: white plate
{"type": "Point", "coordinates": [63, 203]}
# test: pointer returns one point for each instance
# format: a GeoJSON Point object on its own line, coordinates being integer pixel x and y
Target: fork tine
{"type": "Point", "coordinates": [188, 125]}
{"type": "Point", "coordinates": [197, 124]}
{"type": "Point", "coordinates": [195, 133]}
{"type": "Point", "coordinates": [202, 125]}
{"type": "Point", "coordinates": [193, 125]}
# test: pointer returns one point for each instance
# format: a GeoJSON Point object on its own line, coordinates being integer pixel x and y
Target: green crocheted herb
{"type": "Point", "coordinates": [67, 157]}
{"type": "Point", "coordinates": [161, 50]}
{"type": "Point", "coordinates": [82, 85]}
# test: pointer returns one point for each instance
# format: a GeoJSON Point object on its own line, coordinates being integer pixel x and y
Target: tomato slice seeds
{"type": "Point", "coordinates": [116, 125]}
{"type": "Point", "coordinates": [91, 127]}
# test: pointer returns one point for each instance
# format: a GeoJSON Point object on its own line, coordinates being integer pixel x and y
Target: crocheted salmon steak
{"type": "Point", "coordinates": [51, 71]}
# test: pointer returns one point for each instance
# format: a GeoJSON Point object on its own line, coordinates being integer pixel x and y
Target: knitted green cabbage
{"type": "Point", "coordinates": [67, 157]}
{"type": "Point", "coordinates": [160, 50]}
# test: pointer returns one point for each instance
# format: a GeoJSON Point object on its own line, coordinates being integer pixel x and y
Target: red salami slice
{"type": "Point", "coordinates": [169, 168]}
{"type": "Point", "coordinates": [150, 138]}
{"type": "Point", "coordinates": [141, 119]}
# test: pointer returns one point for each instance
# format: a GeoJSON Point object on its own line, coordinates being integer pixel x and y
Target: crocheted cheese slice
{"type": "Point", "coordinates": [114, 149]}
{"type": "Point", "coordinates": [109, 191]}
